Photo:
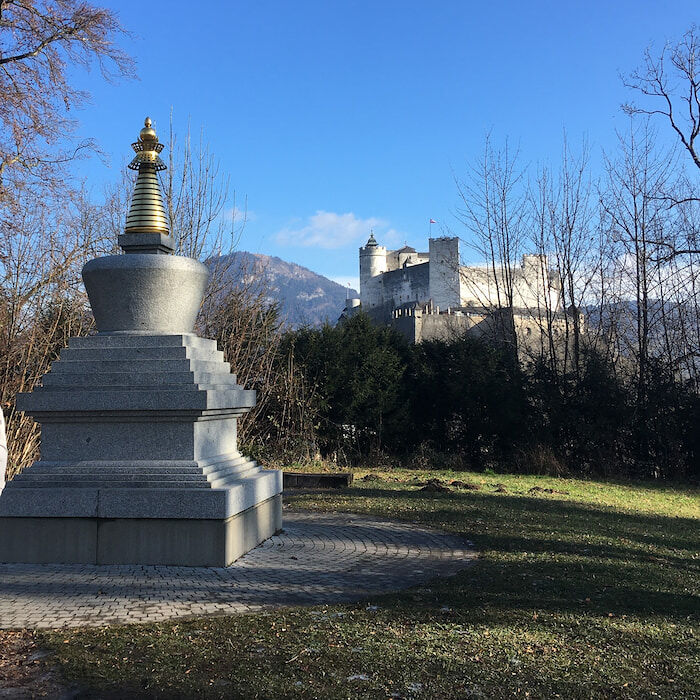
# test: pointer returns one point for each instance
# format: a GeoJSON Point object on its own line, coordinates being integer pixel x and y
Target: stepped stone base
{"type": "Point", "coordinates": [147, 541]}
{"type": "Point", "coordinates": [139, 460]}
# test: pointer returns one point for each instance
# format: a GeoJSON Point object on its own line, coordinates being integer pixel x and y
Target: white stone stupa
{"type": "Point", "coordinates": [139, 458]}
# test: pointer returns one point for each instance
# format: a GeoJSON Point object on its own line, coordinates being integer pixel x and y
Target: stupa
{"type": "Point", "coordinates": [139, 457]}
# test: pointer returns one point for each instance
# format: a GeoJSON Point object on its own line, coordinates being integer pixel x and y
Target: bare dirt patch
{"type": "Point", "coordinates": [26, 670]}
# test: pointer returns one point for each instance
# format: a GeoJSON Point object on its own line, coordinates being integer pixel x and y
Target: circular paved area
{"type": "Point", "coordinates": [317, 559]}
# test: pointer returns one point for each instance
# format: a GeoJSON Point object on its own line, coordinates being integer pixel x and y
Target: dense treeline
{"type": "Point", "coordinates": [468, 404]}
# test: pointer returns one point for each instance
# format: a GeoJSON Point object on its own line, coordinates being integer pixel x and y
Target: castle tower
{"type": "Point", "coordinates": [372, 265]}
{"type": "Point", "coordinates": [444, 272]}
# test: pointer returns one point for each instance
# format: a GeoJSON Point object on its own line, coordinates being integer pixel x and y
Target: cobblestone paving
{"type": "Point", "coordinates": [317, 559]}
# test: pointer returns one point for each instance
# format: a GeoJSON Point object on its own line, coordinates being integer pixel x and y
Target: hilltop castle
{"type": "Point", "coordinates": [431, 295]}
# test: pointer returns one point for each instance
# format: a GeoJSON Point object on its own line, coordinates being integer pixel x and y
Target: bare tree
{"type": "Point", "coordinates": [47, 226]}
{"type": "Point", "coordinates": [564, 230]}
{"type": "Point", "coordinates": [40, 40]}
{"type": "Point", "coordinates": [42, 251]}
{"type": "Point", "coordinates": [670, 85]}
{"type": "Point", "coordinates": [492, 197]}
{"type": "Point", "coordinates": [638, 218]}
{"type": "Point", "coordinates": [248, 330]}
{"type": "Point", "coordinates": [659, 78]}
{"type": "Point", "coordinates": [201, 205]}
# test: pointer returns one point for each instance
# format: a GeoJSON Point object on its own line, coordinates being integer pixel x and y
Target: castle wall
{"type": "Point", "coordinates": [417, 326]}
{"type": "Point", "coordinates": [444, 327]}
{"type": "Point", "coordinates": [534, 287]}
{"type": "Point", "coordinates": [406, 284]}
{"type": "Point", "coordinates": [371, 293]}
{"type": "Point", "coordinates": [477, 287]}
{"type": "Point", "coordinates": [410, 327]}
{"type": "Point", "coordinates": [380, 295]}
{"type": "Point", "coordinates": [533, 332]}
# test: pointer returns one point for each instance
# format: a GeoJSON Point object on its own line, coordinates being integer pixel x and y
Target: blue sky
{"type": "Point", "coordinates": [335, 117]}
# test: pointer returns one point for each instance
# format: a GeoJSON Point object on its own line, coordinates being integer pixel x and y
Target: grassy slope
{"type": "Point", "coordinates": [593, 593]}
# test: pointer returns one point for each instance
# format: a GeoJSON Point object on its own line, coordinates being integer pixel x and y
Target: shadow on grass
{"type": "Point", "coordinates": [567, 600]}
{"type": "Point", "coordinates": [550, 555]}
{"type": "Point", "coordinates": [661, 485]}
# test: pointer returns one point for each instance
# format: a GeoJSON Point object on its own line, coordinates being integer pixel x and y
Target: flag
{"type": "Point", "coordinates": [432, 221]}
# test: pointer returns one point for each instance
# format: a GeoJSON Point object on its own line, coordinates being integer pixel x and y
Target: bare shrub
{"type": "Point", "coordinates": [41, 301]}
{"type": "Point", "coordinates": [540, 459]}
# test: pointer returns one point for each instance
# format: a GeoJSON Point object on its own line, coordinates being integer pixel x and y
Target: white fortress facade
{"type": "Point", "coordinates": [428, 295]}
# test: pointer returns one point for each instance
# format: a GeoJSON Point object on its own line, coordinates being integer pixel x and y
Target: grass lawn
{"type": "Point", "coordinates": [592, 592]}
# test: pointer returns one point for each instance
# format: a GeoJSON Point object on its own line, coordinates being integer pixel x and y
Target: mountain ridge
{"type": "Point", "coordinates": [305, 298]}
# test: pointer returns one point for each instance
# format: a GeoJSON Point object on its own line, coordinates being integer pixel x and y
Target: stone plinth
{"type": "Point", "coordinates": [139, 461]}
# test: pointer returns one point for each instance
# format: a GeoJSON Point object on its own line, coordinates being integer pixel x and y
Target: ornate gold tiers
{"type": "Point", "coordinates": [147, 212]}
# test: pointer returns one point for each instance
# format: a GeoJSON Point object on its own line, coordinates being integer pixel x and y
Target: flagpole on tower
{"type": "Point", "coordinates": [430, 227]}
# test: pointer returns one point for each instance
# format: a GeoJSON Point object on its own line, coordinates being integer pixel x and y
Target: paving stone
{"type": "Point", "coordinates": [319, 558]}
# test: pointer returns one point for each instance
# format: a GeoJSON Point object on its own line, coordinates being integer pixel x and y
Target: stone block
{"type": "Point", "coordinates": [187, 542]}
{"type": "Point", "coordinates": [158, 502]}
{"type": "Point", "coordinates": [149, 243]}
{"type": "Point", "coordinates": [129, 340]}
{"type": "Point", "coordinates": [46, 540]}
{"type": "Point", "coordinates": [146, 541]}
{"type": "Point", "coordinates": [60, 502]}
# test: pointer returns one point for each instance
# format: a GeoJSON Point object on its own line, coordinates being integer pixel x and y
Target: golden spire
{"type": "Point", "coordinates": [147, 213]}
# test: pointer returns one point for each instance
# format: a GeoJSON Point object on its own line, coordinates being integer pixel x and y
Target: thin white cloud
{"type": "Point", "coordinates": [239, 216]}
{"type": "Point", "coordinates": [353, 282]}
{"type": "Point", "coordinates": [391, 239]}
{"type": "Point", "coordinates": [327, 229]}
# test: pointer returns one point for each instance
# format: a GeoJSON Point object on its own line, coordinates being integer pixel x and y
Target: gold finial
{"type": "Point", "coordinates": [147, 148]}
{"type": "Point", "coordinates": [147, 134]}
{"type": "Point", "coordinates": [147, 213]}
